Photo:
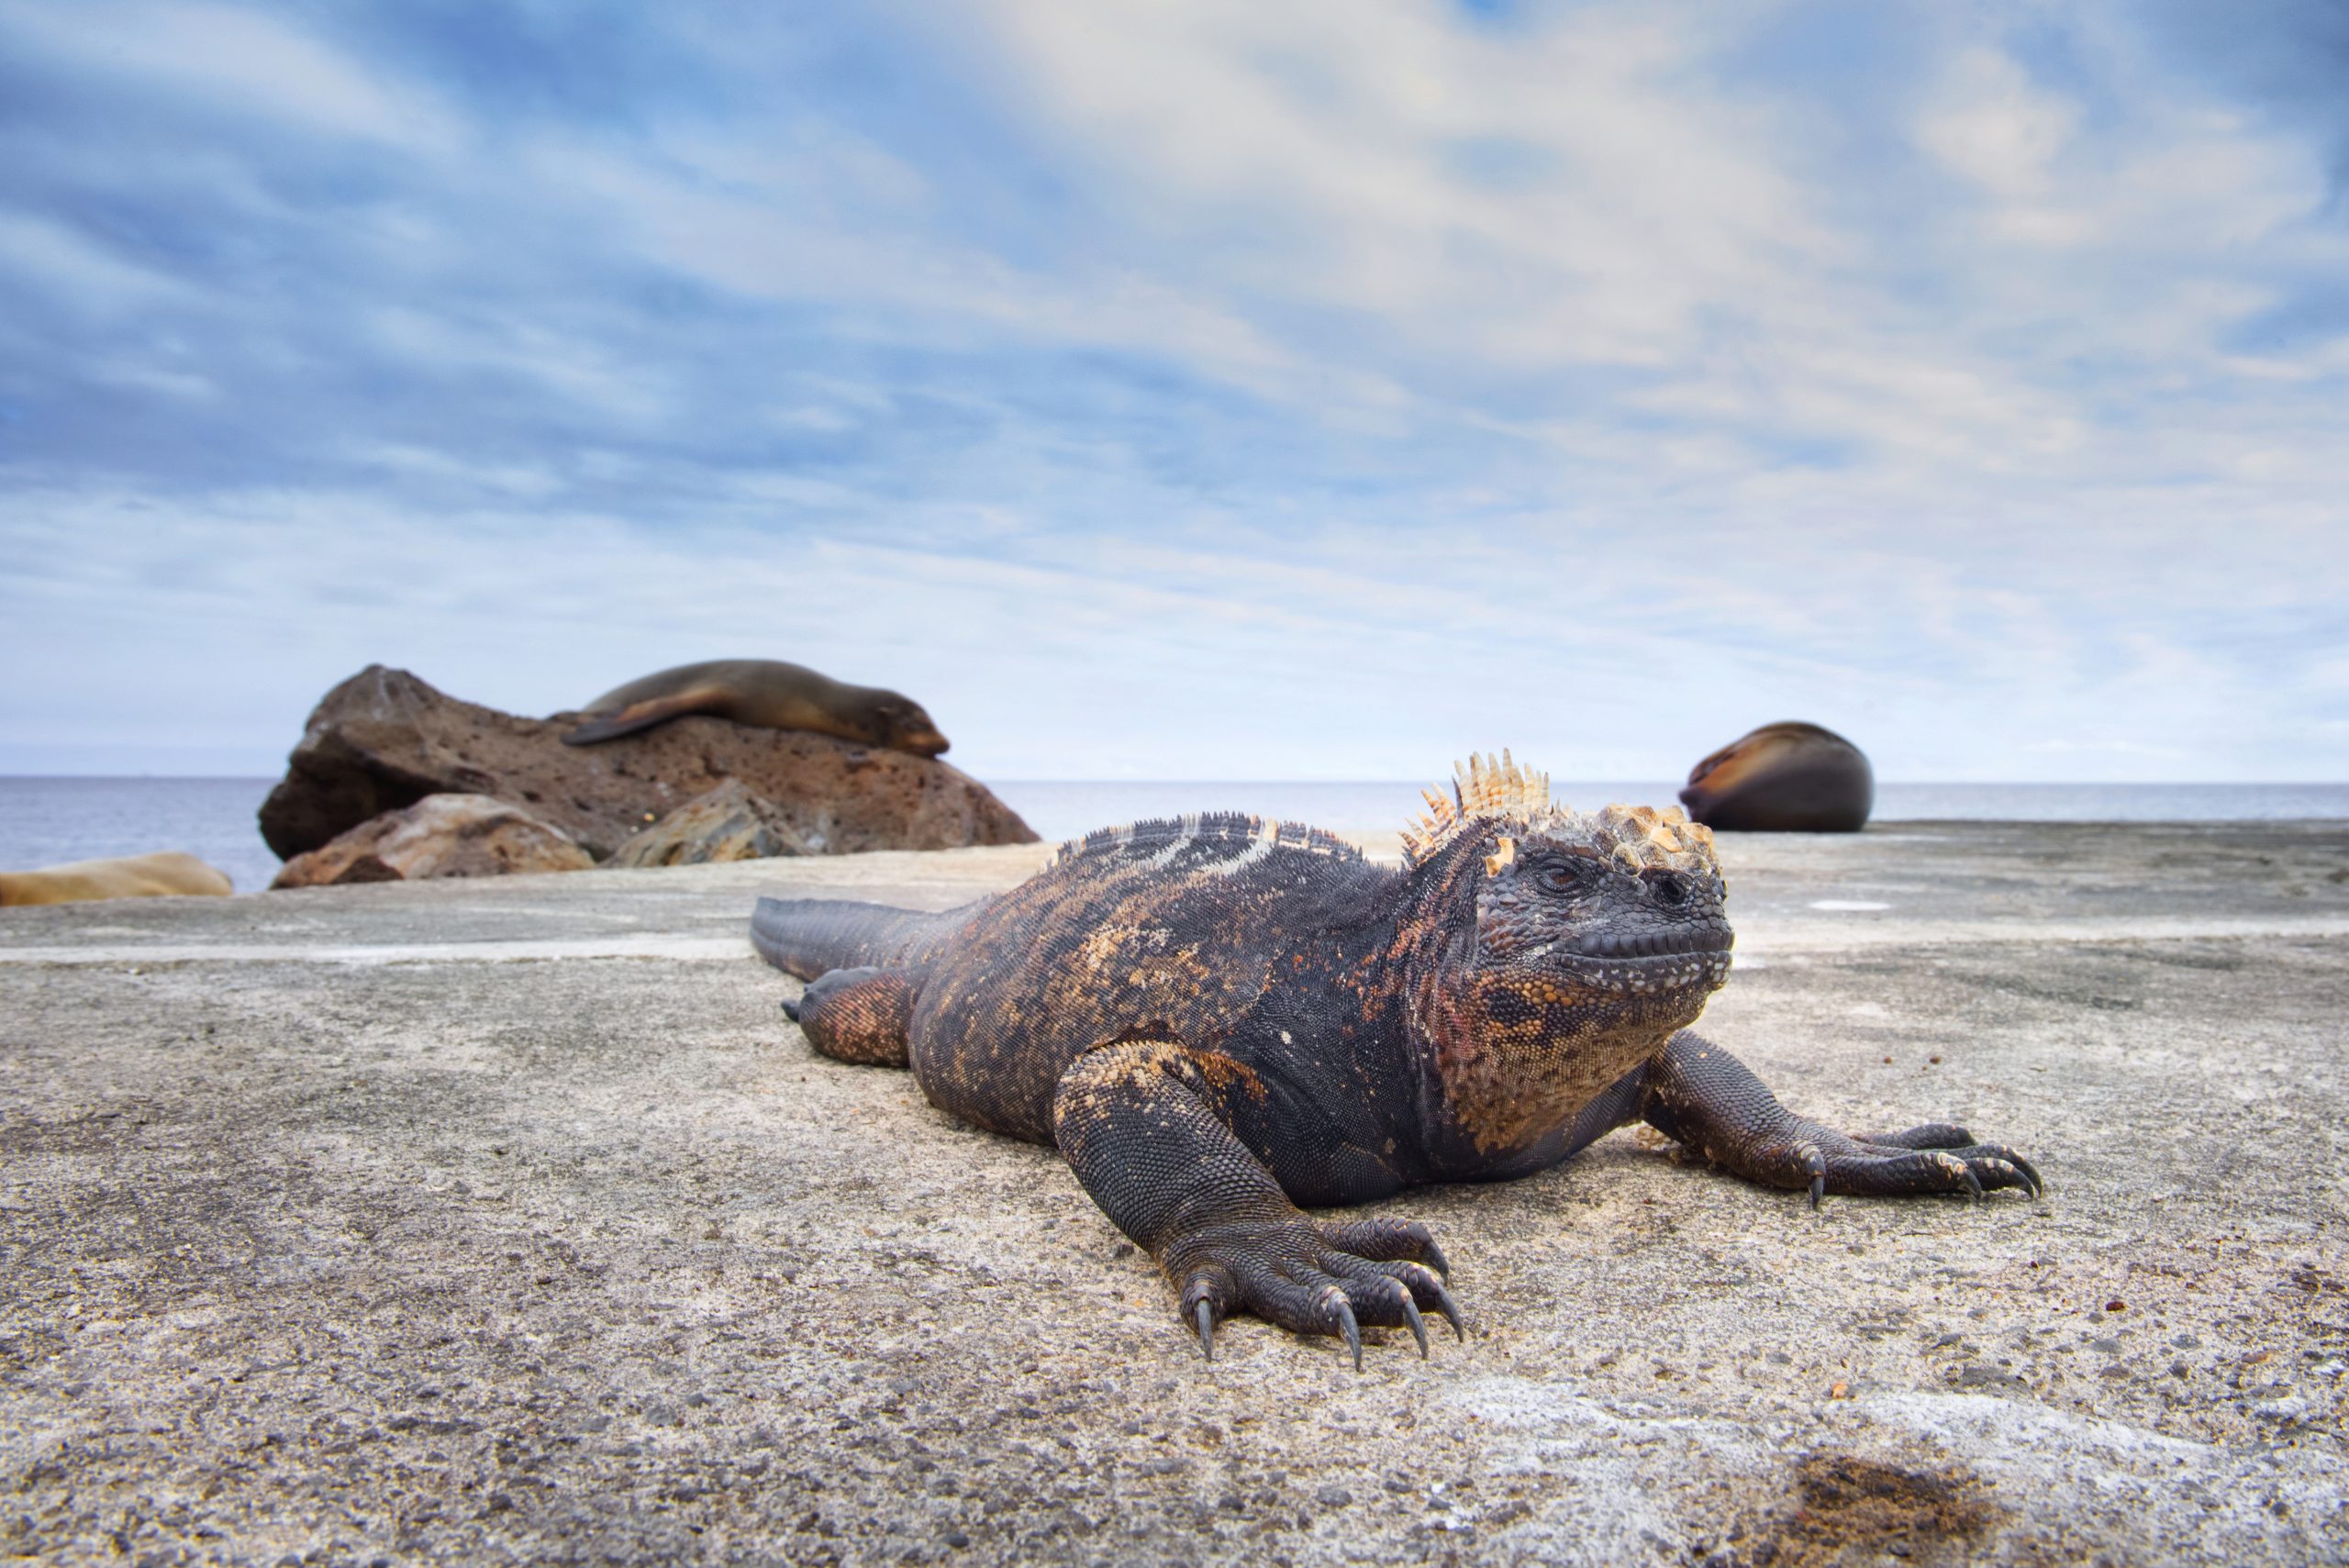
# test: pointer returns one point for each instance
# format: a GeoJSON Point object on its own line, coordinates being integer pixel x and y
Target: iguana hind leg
{"type": "Point", "coordinates": [1696, 1092]}
{"type": "Point", "coordinates": [856, 1015]}
{"type": "Point", "coordinates": [1142, 1123]}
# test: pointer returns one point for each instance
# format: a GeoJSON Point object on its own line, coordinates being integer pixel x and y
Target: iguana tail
{"type": "Point", "coordinates": [808, 937]}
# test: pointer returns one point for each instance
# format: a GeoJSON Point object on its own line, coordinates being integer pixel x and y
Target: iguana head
{"type": "Point", "coordinates": [1576, 943]}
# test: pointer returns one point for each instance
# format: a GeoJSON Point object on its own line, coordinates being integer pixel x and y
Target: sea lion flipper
{"type": "Point", "coordinates": [643, 716]}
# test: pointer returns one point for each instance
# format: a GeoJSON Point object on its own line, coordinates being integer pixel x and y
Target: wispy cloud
{"type": "Point", "coordinates": [228, 60]}
{"type": "Point", "coordinates": [1198, 390]}
{"type": "Point", "coordinates": [64, 268]}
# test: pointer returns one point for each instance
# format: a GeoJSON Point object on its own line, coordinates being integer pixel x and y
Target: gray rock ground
{"type": "Point", "coordinates": [509, 1221]}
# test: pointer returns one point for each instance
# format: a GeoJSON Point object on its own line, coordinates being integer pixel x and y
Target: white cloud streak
{"type": "Point", "coordinates": [236, 58]}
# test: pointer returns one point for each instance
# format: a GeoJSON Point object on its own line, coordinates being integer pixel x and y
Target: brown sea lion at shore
{"type": "Point", "coordinates": [1783, 778]}
{"type": "Point", "coordinates": [766, 694]}
{"type": "Point", "coordinates": [164, 872]}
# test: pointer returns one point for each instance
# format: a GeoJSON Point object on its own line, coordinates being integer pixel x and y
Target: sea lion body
{"type": "Point", "coordinates": [1783, 778]}
{"type": "Point", "coordinates": [165, 873]}
{"type": "Point", "coordinates": [767, 694]}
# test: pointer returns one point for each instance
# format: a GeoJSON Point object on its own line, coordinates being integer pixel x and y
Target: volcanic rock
{"type": "Point", "coordinates": [730, 823]}
{"type": "Point", "coordinates": [441, 835]}
{"type": "Point", "coordinates": [384, 740]}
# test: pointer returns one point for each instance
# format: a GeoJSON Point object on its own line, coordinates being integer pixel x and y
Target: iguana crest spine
{"type": "Point", "coordinates": [1207, 828]}
{"type": "Point", "coordinates": [1490, 796]}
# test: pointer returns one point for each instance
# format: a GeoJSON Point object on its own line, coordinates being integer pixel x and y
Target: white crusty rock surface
{"type": "Point", "coordinates": [510, 1222]}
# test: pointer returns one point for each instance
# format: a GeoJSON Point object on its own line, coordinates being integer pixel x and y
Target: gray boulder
{"type": "Point", "coordinates": [730, 823]}
{"type": "Point", "coordinates": [441, 835]}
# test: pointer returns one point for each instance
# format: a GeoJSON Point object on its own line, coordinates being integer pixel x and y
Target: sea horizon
{"type": "Point", "coordinates": [48, 818]}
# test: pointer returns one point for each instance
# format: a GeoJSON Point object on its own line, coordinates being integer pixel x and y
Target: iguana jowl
{"type": "Point", "coordinates": [1218, 1019]}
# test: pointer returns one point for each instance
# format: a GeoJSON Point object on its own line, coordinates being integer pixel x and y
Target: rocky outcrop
{"type": "Point", "coordinates": [384, 739]}
{"type": "Point", "coordinates": [441, 835]}
{"type": "Point", "coordinates": [730, 823]}
{"type": "Point", "coordinates": [163, 874]}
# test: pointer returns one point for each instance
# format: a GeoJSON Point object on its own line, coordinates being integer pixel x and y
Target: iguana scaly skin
{"type": "Point", "coordinates": [1218, 1019]}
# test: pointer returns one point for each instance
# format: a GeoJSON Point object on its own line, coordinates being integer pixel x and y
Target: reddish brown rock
{"type": "Point", "coordinates": [730, 823]}
{"type": "Point", "coordinates": [441, 835]}
{"type": "Point", "coordinates": [384, 739]}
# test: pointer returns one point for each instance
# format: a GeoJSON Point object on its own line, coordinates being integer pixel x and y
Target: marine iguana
{"type": "Point", "coordinates": [1221, 1022]}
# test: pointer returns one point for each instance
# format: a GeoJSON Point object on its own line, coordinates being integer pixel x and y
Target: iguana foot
{"type": "Point", "coordinates": [1328, 1278]}
{"type": "Point", "coordinates": [856, 1015]}
{"type": "Point", "coordinates": [1699, 1094]}
{"type": "Point", "coordinates": [1935, 1158]}
{"type": "Point", "coordinates": [1143, 1123]}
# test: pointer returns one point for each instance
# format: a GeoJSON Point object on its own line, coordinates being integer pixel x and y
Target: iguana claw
{"type": "Point", "coordinates": [1352, 1331]}
{"type": "Point", "coordinates": [1998, 1154]}
{"type": "Point", "coordinates": [1921, 1160]}
{"type": "Point", "coordinates": [1207, 1330]}
{"type": "Point", "coordinates": [1450, 1310]}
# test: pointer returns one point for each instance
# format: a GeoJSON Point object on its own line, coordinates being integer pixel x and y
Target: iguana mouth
{"type": "Point", "coordinates": [1646, 973]}
{"type": "Point", "coordinates": [1705, 936]}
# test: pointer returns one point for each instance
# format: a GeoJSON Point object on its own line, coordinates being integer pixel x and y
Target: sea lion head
{"type": "Point", "coordinates": [902, 725]}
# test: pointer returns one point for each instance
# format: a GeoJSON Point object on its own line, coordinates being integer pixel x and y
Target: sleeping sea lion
{"type": "Point", "coordinates": [765, 693]}
{"type": "Point", "coordinates": [1783, 778]}
{"type": "Point", "coordinates": [130, 876]}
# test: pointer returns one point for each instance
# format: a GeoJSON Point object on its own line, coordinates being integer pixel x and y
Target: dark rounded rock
{"type": "Point", "coordinates": [1789, 777]}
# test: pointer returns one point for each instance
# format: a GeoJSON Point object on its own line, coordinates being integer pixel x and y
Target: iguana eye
{"type": "Point", "coordinates": [1561, 876]}
{"type": "Point", "coordinates": [1671, 888]}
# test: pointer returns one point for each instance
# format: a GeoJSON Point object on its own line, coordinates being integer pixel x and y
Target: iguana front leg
{"type": "Point", "coordinates": [1696, 1092]}
{"type": "Point", "coordinates": [1143, 1124]}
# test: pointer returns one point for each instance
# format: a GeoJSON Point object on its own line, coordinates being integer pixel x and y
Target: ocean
{"type": "Point", "coordinates": [46, 820]}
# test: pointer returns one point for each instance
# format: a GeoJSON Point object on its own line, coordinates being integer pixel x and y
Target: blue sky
{"type": "Point", "coordinates": [1214, 390]}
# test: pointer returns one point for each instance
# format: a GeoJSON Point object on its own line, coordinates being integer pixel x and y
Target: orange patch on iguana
{"type": "Point", "coordinates": [1219, 1071]}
